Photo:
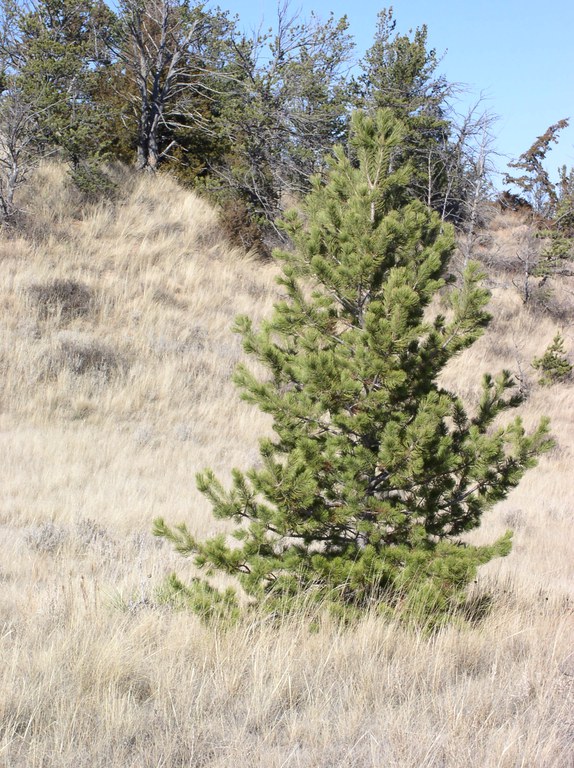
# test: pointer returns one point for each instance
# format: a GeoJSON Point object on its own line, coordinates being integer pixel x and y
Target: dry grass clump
{"type": "Point", "coordinates": [82, 356]}
{"type": "Point", "coordinates": [105, 416]}
{"type": "Point", "coordinates": [66, 299]}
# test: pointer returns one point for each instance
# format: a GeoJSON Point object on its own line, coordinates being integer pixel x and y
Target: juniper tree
{"type": "Point", "coordinates": [374, 470]}
{"type": "Point", "coordinates": [169, 52]}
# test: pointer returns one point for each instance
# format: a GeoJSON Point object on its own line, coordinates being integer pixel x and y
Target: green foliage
{"type": "Point", "coordinates": [92, 181]}
{"type": "Point", "coordinates": [553, 366]}
{"type": "Point", "coordinates": [553, 215]}
{"type": "Point", "coordinates": [60, 68]}
{"type": "Point", "coordinates": [374, 471]}
{"type": "Point", "coordinates": [172, 84]}
{"type": "Point", "coordinates": [552, 218]}
{"type": "Point", "coordinates": [201, 598]}
{"type": "Point", "coordinates": [56, 64]}
{"type": "Point", "coordinates": [565, 204]}
{"type": "Point", "coordinates": [171, 55]}
{"type": "Point", "coordinates": [400, 73]}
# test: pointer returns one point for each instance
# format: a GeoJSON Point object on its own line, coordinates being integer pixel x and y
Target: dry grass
{"type": "Point", "coordinates": [95, 673]}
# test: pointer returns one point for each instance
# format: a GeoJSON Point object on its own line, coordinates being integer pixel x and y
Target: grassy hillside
{"type": "Point", "coordinates": [116, 355]}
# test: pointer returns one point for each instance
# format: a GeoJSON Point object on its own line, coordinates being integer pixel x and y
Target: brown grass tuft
{"type": "Point", "coordinates": [80, 357]}
{"type": "Point", "coordinates": [66, 299]}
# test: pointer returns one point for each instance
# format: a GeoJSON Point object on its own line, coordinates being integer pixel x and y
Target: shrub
{"type": "Point", "coordinates": [93, 182]}
{"type": "Point", "coordinates": [240, 227]}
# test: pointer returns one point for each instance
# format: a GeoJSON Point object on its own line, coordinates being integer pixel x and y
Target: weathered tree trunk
{"type": "Point", "coordinates": [148, 151]}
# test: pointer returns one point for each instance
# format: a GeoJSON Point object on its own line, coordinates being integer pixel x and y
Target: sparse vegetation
{"type": "Point", "coordinates": [83, 356]}
{"type": "Point", "coordinates": [46, 537]}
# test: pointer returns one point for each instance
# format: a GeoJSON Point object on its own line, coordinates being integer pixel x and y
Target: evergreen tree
{"type": "Point", "coordinates": [558, 252]}
{"type": "Point", "coordinates": [553, 366]}
{"type": "Point", "coordinates": [552, 206]}
{"type": "Point", "coordinates": [374, 470]}
{"type": "Point", "coordinates": [60, 65]}
{"type": "Point", "coordinates": [447, 149]}
{"type": "Point", "coordinates": [400, 72]}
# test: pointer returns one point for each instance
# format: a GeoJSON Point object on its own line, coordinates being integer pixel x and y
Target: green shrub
{"type": "Point", "coordinates": [93, 182]}
{"type": "Point", "coordinates": [553, 366]}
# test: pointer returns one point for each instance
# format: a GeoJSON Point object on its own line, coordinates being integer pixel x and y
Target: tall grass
{"type": "Point", "coordinates": [94, 671]}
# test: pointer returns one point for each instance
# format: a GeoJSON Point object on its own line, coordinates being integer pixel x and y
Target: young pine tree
{"type": "Point", "coordinates": [374, 471]}
{"type": "Point", "coordinates": [553, 366]}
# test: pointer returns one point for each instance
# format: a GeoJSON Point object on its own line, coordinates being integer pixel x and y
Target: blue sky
{"type": "Point", "coordinates": [518, 53]}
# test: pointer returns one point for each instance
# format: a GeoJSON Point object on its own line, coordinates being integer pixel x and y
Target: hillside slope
{"type": "Point", "coordinates": [116, 353]}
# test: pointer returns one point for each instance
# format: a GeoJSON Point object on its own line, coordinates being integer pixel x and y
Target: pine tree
{"type": "Point", "coordinates": [449, 151]}
{"type": "Point", "coordinates": [374, 470]}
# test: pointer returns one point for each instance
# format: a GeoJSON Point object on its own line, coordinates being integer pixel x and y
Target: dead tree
{"type": "Point", "coordinates": [160, 46]}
